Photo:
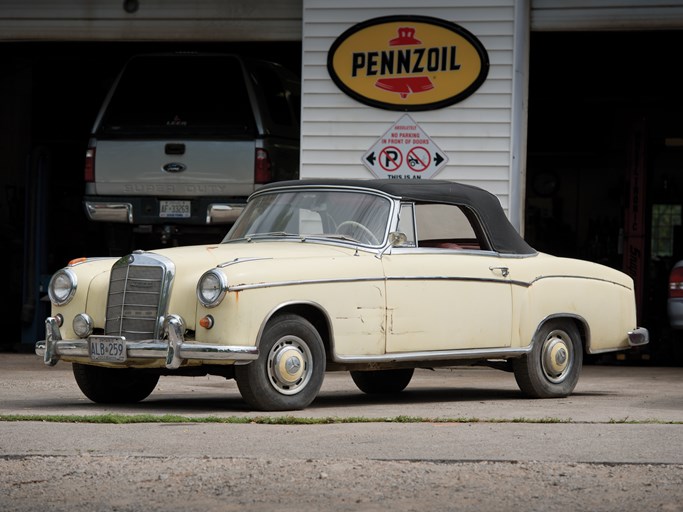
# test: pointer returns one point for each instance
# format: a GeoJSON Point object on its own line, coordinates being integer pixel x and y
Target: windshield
{"type": "Point", "coordinates": [180, 95]}
{"type": "Point", "coordinates": [341, 215]}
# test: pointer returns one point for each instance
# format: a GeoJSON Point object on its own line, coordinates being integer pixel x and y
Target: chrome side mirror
{"type": "Point", "coordinates": [397, 238]}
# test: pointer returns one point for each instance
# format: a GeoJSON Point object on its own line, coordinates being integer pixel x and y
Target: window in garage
{"type": "Point", "coordinates": [665, 218]}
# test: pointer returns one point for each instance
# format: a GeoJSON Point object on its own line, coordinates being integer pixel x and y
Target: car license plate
{"type": "Point", "coordinates": [174, 209]}
{"type": "Point", "coordinates": [110, 349]}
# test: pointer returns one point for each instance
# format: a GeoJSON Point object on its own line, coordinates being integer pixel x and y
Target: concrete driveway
{"type": "Point", "coordinates": [477, 445]}
{"type": "Point", "coordinates": [604, 394]}
{"type": "Point", "coordinates": [617, 414]}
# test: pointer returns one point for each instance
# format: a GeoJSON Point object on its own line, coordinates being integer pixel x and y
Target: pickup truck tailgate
{"type": "Point", "coordinates": [175, 168]}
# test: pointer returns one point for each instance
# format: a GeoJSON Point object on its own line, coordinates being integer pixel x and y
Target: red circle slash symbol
{"type": "Point", "coordinates": [390, 158]}
{"type": "Point", "coordinates": [419, 158]}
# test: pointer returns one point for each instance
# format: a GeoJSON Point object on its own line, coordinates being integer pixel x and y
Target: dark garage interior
{"type": "Point", "coordinates": [605, 149]}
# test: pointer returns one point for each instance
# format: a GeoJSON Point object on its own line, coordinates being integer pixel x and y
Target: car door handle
{"type": "Point", "coordinates": [505, 271]}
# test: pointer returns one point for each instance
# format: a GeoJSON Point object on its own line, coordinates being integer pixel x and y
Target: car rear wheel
{"type": "Point", "coordinates": [289, 370]}
{"type": "Point", "coordinates": [383, 381]}
{"type": "Point", "coordinates": [114, 385]}
{"type": "Point", "coordinates": [552, 368]}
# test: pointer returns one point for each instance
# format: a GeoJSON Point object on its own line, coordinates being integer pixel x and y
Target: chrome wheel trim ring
{"type": "Point", "coordinates": [289, 365]}
{"type": "Point", "coordinates": [557, 356]}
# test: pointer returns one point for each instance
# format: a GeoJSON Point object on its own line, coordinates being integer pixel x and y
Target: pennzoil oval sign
{"type": "Point", "coordinates": [408, 63]}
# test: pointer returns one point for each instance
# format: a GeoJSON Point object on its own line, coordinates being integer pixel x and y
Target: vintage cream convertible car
{"type": "Point", "coordinates": [375, 277]}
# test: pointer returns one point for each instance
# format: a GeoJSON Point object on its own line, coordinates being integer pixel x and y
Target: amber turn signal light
{"type": "Point", "coordinates": [206, 322]}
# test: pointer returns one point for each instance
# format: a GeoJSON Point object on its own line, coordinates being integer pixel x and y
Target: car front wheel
{"type": "Point", "coordinates": [114, 385]}
{"type": "Point", "coordinates": [289, 370]}
{"type": "Point", "coordinates": [382, 381]}
{"type": "Point", "coordinates": [552, 368]}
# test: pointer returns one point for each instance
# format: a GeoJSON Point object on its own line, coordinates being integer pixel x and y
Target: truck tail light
{"type": "Point", "coordinates": [676, 283]}
{"type": "Point", "coordinates": [262, 169]}
{"type": "Point", "coordinates": [89, 172]}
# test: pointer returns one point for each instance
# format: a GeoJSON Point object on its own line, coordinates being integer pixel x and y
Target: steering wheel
{"type": "Point", "coordinates": [354, 226]}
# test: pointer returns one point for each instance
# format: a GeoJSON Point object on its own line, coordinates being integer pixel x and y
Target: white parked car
{"type": "Point", "coordinates": [374, 277]}
{"type": "Point", "coordinates": [675, 300]}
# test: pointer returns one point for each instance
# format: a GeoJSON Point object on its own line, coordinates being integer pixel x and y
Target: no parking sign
{"type": "Point", "coordinates": [405, 152]}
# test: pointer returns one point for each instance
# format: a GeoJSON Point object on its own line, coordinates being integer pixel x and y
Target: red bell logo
{"type": "Point", "coordinates": [409, 84]}
{"type": "Point", "coordinates": [406, 37]}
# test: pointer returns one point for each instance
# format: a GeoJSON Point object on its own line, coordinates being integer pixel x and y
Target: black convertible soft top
{"type": "Point", "coordinates": [503, 236]}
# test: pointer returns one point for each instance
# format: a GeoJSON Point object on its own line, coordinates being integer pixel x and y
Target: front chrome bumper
{"type": "Point", "coordinates": [173, 350]}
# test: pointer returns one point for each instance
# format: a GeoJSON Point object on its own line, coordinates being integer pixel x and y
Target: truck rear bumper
{"type": "Point", "coordinates": [138, 210]}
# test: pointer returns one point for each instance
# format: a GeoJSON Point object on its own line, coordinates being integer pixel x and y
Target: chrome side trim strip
{"type": "Point", "coordinates": [240, 287]}
{"type": "Point", "coordinates": [560, 276]}
{"type": "Point", "coordinates": [240, 260]}
{"type": "Point", "coordinates": [523, 284]}
{"type": "Point", "coordinates": [436, 355]}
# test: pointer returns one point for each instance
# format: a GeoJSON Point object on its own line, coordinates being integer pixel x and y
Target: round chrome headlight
{"type": "Point", "coordinates": [62, 287]}
{"type": "Point", "coordinates": [211, 288]}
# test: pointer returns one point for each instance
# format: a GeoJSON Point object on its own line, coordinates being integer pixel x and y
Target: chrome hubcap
{"type": "Point", "coordinates": [289, 365]}
{"type": "Point", "coordinates": [557, 356]}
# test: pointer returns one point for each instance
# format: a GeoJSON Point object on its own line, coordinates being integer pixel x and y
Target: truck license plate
{"type": "Point", "coordinates": [174, 209]}
{"type": "Point", "coordinates": [110, 349]}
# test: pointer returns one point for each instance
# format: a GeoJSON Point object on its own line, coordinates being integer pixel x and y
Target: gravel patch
{"type": "Point", "coordinates": [135, 484]}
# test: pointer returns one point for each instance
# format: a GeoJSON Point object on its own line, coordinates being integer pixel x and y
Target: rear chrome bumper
{"type": "Point", "coordinates": [638, 337]}
{"type": "Point", "coordinates": [128, 213]}
{"type": "Point", "coordinates": [219, 213]}
{"type": "Point", "coordinates": [173, 350]}
{"type": "Point", "coordinates": [109, 212]}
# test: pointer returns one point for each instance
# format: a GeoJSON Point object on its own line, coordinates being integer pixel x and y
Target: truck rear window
{"type": "Point", "coordinates": [186, 95]}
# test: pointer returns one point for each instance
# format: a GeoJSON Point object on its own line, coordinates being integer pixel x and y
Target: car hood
{"type": "Point", "coordinates": [191, 262]}
{"type": "Point", "coordinates": [253, 263]}
{"type": "Point", "coordinates": [244, 264]}
{"type": "Point", "coordinates": [203, 257]}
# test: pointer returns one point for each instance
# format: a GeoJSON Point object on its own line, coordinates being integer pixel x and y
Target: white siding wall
{"type": "Point", "coordinates": [476, 133]}
{"type": "Point", "coordinates": [555, 15]}
{"type": "Point", "coordinates": [154, 20]}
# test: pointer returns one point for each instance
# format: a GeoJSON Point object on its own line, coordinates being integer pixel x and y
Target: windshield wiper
{"type": "Point", "coordinates": [271, 234]}
{"type": "Point", "coordinates": [303, 238]}
{"type": "Point", "coordinates": [338, 236]}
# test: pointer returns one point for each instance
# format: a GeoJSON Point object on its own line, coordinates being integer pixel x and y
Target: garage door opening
{"type": "Point", "coordinates": [604, 118]}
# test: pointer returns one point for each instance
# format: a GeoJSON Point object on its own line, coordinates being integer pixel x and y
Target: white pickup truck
{"type": "Point", "coordinates": [183, 139]}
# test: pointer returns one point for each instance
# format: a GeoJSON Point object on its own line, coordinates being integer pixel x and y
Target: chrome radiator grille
{"type": "Point", "coordinates": [137, 297]}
